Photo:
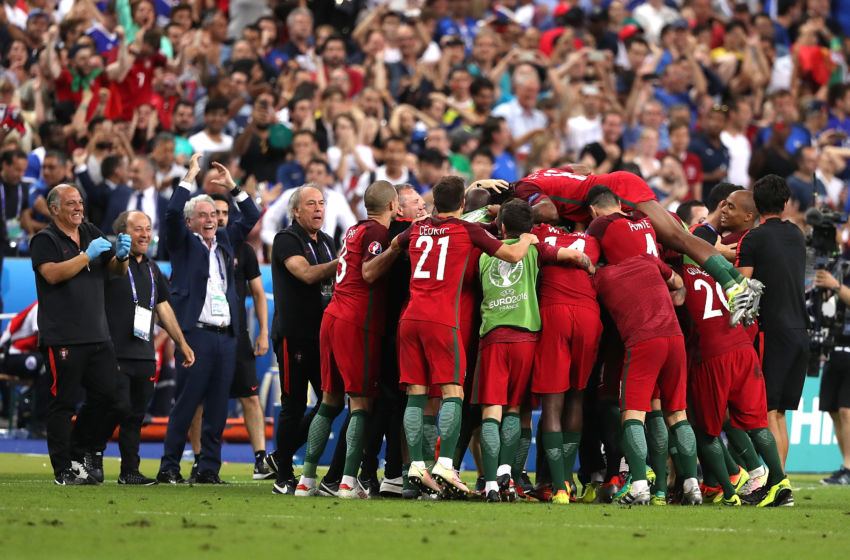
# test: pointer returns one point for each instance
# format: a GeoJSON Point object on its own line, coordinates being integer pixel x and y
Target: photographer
{"type": "Point", "coordinates": [261, 145]}
{"type": "Point", "coordinates": [835, 384]}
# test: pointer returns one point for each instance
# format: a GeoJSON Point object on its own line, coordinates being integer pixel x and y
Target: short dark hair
{"type": "Point", "coordinates": [304, 132]}
{"type": "Point", "coordinates": [686, 209]}
{"type": "Point", "coordinates": [320, 161]}
{"type": "Point", "coordinates": [9, 156]}
{"type": "Point", "coordinates": [719, 193]}
{"type": "Point", "coordinates": [516, 216]}
{"type": "Point", "coordinates": [432, 156]}
{"type": "Point", "coordinates": [109, 164]}
{"type": "Point", "coordinates": [482, 152]}
{"type": "Point", "coordinates": [217, 104]}
{"type": "Point", "coordinates": [770, 194]}
{"type": "Point", "coordinates": [60, 156]}
{"type": "Point", "coordinates": [480, 83]}
{"type": "Point", "coordinates": [635, 39]}
{"type": "Point", "coordinates": [834, 93]}
{"type": "Point", "coordinates": [448, 194]}
{"type": "Point", "coordinates": [395, 138]}
{"type": "Point", "coordinates": [181, 103]}
{"type": "Point", "coordinates": [221, 197]}
{"type": "Point", "coordinates": [334, 37]}
{"type": "Point", "coordinates": [602, 196]}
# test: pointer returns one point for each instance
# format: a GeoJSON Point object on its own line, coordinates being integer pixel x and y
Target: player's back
{"type": "Point", "coordinates": [621, 237]}
{"type": "Point", "coordinates": [355, 300]}
{"type": "Point", "coordinates": [440, 252]}
{"type": "Point", "coordinates": [567, 284]}
{"type": "Point", "coordinates": [636, 295]}
{"type": "Point", "coordinates": [709, 310]}
{"type": "Point", "coordinates": [565, 189]}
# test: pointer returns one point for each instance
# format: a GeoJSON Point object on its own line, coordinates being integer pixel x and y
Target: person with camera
{"type": "Point", "coordinates": [775, 253]}
{"type": "Point", "coordinates": [835, 383]}
{"type": "Point", "coordinates": [262, 144]}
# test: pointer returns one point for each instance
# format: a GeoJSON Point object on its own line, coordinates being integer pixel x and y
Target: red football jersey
{"type": "Point", "coordinates": [568, 191]}
{"type": "Point", "coordinates": [355, 300]}
{"type": "Point", "coordinates": [137, 86]}
{"type": "Point", "coordinates": [440, 252]}
{"type": "Point", "coordinates": [621, 237]}
{"type": "Point", "coordinates": [709, 309]}
{"type": "Point", "coordinates": [567, 284]}
{"type": "Point", "coordinates": [636, 295]}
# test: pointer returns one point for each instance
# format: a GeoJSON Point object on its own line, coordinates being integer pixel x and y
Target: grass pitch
{"type": "Point", "coordinates": [244, 520]}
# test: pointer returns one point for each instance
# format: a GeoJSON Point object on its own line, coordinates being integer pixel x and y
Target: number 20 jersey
{"type": "Point", "coordinates": [355, 300]}
{"type": "Point", "coordinates": [442, 253]}
{"type": "Point", "coordinates": [706, 302]}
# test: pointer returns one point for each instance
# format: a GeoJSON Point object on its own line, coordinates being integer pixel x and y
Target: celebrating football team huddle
{"type": "Point", "coordinates": [579, 294]}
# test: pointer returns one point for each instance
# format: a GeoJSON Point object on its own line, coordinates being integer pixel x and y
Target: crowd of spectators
{"type": "Point", "coordinates": [116, 96]}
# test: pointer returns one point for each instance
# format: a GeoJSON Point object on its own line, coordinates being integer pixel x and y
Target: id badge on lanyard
{"type": "Point", "coordinates": [142, 318]}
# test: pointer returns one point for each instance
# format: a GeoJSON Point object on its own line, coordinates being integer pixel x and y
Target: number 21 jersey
{"type": "Point", "coordinates": [441, 251]}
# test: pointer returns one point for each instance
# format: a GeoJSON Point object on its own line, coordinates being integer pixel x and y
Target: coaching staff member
{"type": "Point", "coordinates": [775, 253]}
{"type": "Point", "coordinates": [133, 299]}
{"type": "Point", "coordinates": [203, 295]}
{"type": "Point", "coordinates": [71, 258]}
{"type": "Point", "coordinates": [303, 267]}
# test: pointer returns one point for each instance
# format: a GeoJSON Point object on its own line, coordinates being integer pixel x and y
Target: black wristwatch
{"type": "Point", "coordinates": [234, 192]}
{"type": "Point", "coordinates": [126, 258]}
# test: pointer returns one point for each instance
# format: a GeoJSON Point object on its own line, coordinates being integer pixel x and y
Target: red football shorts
{"type": "Point", "coordinates": [567, 348]}
{"type": "Point", "coordinates": [430, 353]}
{"type": "Point", "coordinates": [658, 360]}
{"type": "Point", "coordinates": [630, 188]}
{"type": "Point", "coordinates": [732, 379]}
{"type": "Point", "coordinates": [503, 373]}
{"type": "Point", "coordinates": [351, 358]}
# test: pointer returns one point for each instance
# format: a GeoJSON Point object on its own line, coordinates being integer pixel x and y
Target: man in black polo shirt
{"type": "Point", "coordinates": [303, 267]}
{"type": "Point", "coordinates": [71, 258]}
{"type": "Point", "coordinates": [775, 253]}
{"type": "Point", "coordinates": [133, 299]}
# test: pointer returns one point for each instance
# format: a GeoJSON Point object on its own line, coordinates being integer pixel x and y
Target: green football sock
{"type": "Point", "coordinates": [673, 450]}
{"type": "Point", "coordinates": [571, 443]}
{"type": "Point", "coordinates": [317, 437]}
{"type": "Point", "coordinates": [634, 448]}
{"type": "Point", "coordinates": [490, 444]}
{"type": "Point", "coordinates": [354, 437]}
{"type": "Point", "coordinates": [656, 441]}
{"type": "Point", "coordinates": [413, 425]}
{"type": "Point", "coordinates": [687, 446]}
{"type": "Point", "coordinates": [450, 419]}
{"type": "Point", "coordinates": [430, 433]}
{"type": "Point", "coordinates": [734, 273]}
{"type": "Point", "coordinates": [718, 268]}
{"type": "Point", "coordinates": [766, 447]}
{"type": "Point", "coordinates": [510, 435]}
{"type": "Point", "coordinates": [741, 445]}
{"type": "Point", "coordinates": [405, 482]}
{"type": "Point", "coordinates": [711, 453]}
{"type": "Point", "coordinates": [708, 476]}
{"type": "Point", "coordinates": [553, 447]}
{"type": "Point", "coordinates": [731, 458]}
{"type": "Point", "coordinates": [517, 462]}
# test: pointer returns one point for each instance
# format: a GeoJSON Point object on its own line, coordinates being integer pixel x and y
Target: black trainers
{"type": "Point", "coordinates": [93, 462]}
{"type": "Point", "coordinates": [261, 472]}
{"type": "Point", "coordinates": [329, 488]}
{"type": "Point", "coordinates": [755, 497]}
{"type": "Point", "coordinates": [78, 470]}
{"type": "Point", "coordinates": [208, 477]}
{"type": "Point", "coordinates": [135, 478]}
{"type": "Point", "coordinates": [493, 497]}
{"type": "Point", "coordinates": [285, 486]}
{"type": "Point", "coordinates": [479, 486]}
{"type": "Point", "coordinates": [170, 477]}
{"type": "Point", "coordinates": [193, 475]}
{"type": "Point", "coordinates": [271, 462]}
{"type": "Point", "coordinates": [839, 477]}
{"type": "Point", "coordinates": [370, 484]}
{"type": "Point", "coordinates": [69, 477]}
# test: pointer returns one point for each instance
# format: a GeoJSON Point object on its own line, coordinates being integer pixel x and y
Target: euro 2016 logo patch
{"type": "Point", "coordinates": [506, 274]}
{"type": "Point", "coordinates": [375, 248]}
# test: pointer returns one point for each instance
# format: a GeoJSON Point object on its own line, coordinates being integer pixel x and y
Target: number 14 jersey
{"type": "Point", "coordinates": [441, 254]}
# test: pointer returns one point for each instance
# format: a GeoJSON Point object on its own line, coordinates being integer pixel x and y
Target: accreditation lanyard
{"type": "Point", "coordinates": [315, 256]}
{"type": "Point", "coordinates": [3, 201]}
{"type": "Point", "coordinates": [142, 318]}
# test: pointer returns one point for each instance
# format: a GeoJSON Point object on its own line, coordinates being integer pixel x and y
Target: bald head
{"type": "Point", "coordinates": [739, 213]}
{"type": "Point", "coordinates": [476, 198]}
{"type": "Point", "coordinates": [380, 197]}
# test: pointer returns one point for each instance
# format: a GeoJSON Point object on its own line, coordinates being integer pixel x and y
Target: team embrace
{"type": "Point", "coordinates": [628, 331]}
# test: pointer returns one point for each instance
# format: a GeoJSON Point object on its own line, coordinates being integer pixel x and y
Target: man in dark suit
{"type": "Point", "coordinates": [112, 197]}
{"type": "Point", "coordinates": [203, 295]}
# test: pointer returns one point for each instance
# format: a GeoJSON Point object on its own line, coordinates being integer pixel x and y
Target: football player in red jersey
{"type": "Point", "coordinates": [440, 248]}
{"type": "Point", "coordinates": [568, 342]}
{"type": "Point", "coordinates": [557, 194]}
{"type": "Point", "coordinates": [349, 339]}
{"type": "Point", "coordinates": [635, 288]}
{"type": "Point", "coordinates": [727, 372]}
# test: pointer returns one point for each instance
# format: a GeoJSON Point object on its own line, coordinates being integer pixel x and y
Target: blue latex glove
{"type": "Point", "coordinates": [98, 246]}
{"type": "Point", "coordinates": [122, 246]}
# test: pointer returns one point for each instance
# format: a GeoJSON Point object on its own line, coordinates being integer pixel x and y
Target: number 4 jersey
{"type": "Point", "coordinates": [355, 300]}
{"type": "Point", "coordinates": [441, 252]}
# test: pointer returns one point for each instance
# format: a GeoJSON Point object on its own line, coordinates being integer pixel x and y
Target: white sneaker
{"type": "Point", "coordinates": [356, 493]}
{"type": "Point", "coordinates": [755, 482]}
{"type": "Point", "coordinates": [692, 497]}
{"type": "Point", "coordinates": [450, 478]}
{"type": "Point", "coordinates": [635, 498]}
{"type": "Point", "coordinates": [391, 487]}
{"type": "Point", "coordinates": [306, 490]}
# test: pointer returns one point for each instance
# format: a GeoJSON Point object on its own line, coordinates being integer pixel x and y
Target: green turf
{"type": "Point", "coordinates": [244, 520]}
